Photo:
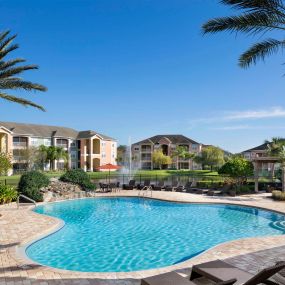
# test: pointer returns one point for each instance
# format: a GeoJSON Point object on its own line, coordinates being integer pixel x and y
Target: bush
{"type": "Point", "coordinates": [278, 195]}
{"type": "Point", "coordinates": [79, 177]}
{"type": "Point", "coordinates": [7, 194]}
{"type": "Point", "coordinates": [30, 184]}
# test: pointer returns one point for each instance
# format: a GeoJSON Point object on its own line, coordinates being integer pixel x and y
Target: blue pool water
{"type": "Point", "coordinates": [129, 234]}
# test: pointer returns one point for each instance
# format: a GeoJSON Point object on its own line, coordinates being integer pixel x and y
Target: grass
{"type": "Point", "coordinates": [14, 179]}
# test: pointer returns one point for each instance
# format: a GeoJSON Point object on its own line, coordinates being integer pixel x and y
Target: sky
{"type": "Point", "coordinates": [138, 68]}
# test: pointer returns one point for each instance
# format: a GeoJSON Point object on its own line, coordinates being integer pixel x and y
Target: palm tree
{"type": "Point", "coordinates": [257, 17]}
{"type": "Point", "coordinates": [276, 148]}
{"type": "Point", "coordinates": [10, 70]}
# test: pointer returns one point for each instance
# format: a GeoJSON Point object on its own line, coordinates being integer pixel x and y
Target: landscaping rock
{"type": "Point", "coordinates": [58, 190]}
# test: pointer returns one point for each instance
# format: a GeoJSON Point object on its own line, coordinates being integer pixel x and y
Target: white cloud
{"type": "Point", "coordinates": [230, 116]}
{"type": "Point", "coordinates": [273, 112]}
{"type": "Point", "coordinates": [232, 128]}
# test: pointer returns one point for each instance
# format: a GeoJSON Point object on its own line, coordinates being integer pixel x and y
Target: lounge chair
{"type": "Point", "coordinates": [129, 186]}
{"type": "Point", "coordinates": [188, 187]}
{"type": "Point", "coordinates": [103, 187]}
{"type": "Point", "coordinates": [280, 277]}
{"type": "Point", "coordinates": [171, 187]}
{"type": "Point", "coordinates": [220, 271]}
{"type": "Point", "coordinates": [114, 187]}
{"type": "Point", "coordinates": [144, 186]}
{"type": "Point", "coordinates": [173, 278]}
{"type": "Point", "coordinates": [159, 186]}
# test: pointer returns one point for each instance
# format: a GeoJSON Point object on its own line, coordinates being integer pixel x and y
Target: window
{"type": "Point", "coordinates": [20, 141]}
{"type": "Point", "coordinates": [136, 148]}
{"type": "Point", "coordinates": [146, 148]}
{"type": "Point", "coordinates": [62, 143]}
{"type": "Point", "coordinates": [146, 156]}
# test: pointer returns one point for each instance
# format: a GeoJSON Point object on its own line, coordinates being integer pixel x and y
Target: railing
{"type": "Point", "coordinates": [26, 198]}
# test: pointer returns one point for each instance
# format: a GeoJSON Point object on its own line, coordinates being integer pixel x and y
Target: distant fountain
{"type": "Point", "coordinates": [129, 168]}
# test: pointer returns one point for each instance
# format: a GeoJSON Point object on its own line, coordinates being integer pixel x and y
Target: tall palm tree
{"type": "Point", "coordinates": [183, 153]}
{"type": "Point", "coordinates": [257, 17]}
{"type": "Point", "coordinates": [276, 148]}
{"type": "Point", "coordinates": [10, 70]}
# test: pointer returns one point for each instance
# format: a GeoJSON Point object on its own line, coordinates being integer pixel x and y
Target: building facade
{"type": "Point", "coordinates": [263, 163]}
{"type": "Point", "coordinates": [142, 151]}
{"type": "Point", "coordinates": [86, 149]}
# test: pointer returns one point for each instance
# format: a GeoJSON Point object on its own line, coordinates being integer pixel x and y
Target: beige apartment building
{"type": "Point", "coordinates": [86, 149]}
{"type": "Point", "coordinates": [142, 151]}
{"type": "Point", "coordinates": [263, 163]}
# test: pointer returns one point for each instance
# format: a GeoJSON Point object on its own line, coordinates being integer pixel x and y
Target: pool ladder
{"type": "Point", "coordinates": [26, 198]}
{"type": "Point", "coordinates": [144, 190]}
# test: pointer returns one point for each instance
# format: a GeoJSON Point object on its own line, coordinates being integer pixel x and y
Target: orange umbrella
{"type": "Point", "coordinates": [109, 166]}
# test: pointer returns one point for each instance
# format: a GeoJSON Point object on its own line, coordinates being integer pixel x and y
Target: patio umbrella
{"type": "Point", "coordinates": [109, 166]}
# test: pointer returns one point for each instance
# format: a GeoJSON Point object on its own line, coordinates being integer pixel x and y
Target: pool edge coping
{"type": "Point", "coordinates": [20, 250]}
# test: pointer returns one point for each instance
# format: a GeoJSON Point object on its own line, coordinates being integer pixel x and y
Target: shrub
{"type": "Point", "coordinates": [278, 195]}
{"type": "Point", "coordinates": [7, 194]}
{"type": "Point", "coordinates": [79, 177]}
{"type": "Point", "coordinates": [30, 184]}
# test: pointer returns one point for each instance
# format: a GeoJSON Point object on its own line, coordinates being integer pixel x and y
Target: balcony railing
{"type": "Point", "coordinates": [24, 144]}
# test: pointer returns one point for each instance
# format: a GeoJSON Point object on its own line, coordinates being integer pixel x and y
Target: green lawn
{"type": "Point", "coordinates": [14, 179]}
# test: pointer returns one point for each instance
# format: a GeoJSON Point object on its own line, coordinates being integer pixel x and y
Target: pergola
{"type": "Point", "coordinates": [257, 162]}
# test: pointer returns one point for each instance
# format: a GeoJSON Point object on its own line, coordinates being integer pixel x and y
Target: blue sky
{"type": "Point", "coordinates": [140, 68]}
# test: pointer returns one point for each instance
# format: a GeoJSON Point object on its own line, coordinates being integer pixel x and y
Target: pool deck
{"type": "Point", "coordinates": [21, 226]}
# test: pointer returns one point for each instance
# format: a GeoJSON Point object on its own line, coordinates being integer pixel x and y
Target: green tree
{"type": "Point", "coordinates": [51, 154]}
{"type": "Point", "coordinates": [276, 148]}
{"type": "Point", "coordinates": [210, 156]}
{"type": "Point", "coordinates": [121, 153]}
{"type": "Point", "coordinates": [183, 153]}
{"type": "Point", "coordinates": [5, 163]}
{"type": "Point", "coordinates": [159, 159]}
{"type": "Point", "coordinates": [258, 17]}
{"type": "Point", "coordinates": [237, 168]}
{"type": "Point", "coordinates": [10, 71]}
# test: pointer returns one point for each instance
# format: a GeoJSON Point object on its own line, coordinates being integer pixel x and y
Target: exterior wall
{"type": "Point", "coordinates": [6, 144]}
{"type": "Point", "coordinates": [142, 154]}
{"type": "Point", "coordinates": [96, 152]}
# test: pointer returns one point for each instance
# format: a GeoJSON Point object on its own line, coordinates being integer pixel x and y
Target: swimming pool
{"type": "Point", "coordinates": [130, 234]}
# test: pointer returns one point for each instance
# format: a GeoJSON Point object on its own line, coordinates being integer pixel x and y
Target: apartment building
{"type": "Point", "coordinates": [142, 151]}
{"type": "Point", "coordinates": [86, 149]}
{"type": "Point", "coordinates": [264, 164]}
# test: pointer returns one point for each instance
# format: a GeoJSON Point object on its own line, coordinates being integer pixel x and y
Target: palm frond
{"type": "Point", "coordinates": [20, 84]}
{"type": "Point", "coordinates": [21, 101]}
{"type": "Point", "coordinates": [16, 70]}
{"type": "Point", "coordinates": [254, 22]}
{"type": "Point", "coordinates": [4, 44]}
{"type": "Point", "coordinates": [3, 35]}
{"type": "Point", "coordinates": [10, 63]}
{"type": "Point", "coordinates": [7, 50]}
{"type": "Point", "coordinates": [260, 51]}
{"type": "Point", "coordinates": [253, 4]}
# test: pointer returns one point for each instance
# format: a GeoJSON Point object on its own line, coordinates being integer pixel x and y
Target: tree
{"type": "Point", "coordinates": [159, 159]}
{"type": "Point", "coordinates": [258, 17]}
{"type": "Point", "coordinates": [51, 154]}
{"type": "Point", "coordinates": [276, 148]}
{"type": "Point", "coordinates": [210, 156]}
{"type": "Point", "coordinates": [30, 156]}
{"type": "Point", "coordinates": [10, 70]}
{"type": "Point", "coordinates": [237, 168]}
{"type": "Point", "coordinates": [121, 153]}
{"type": "Point", "coordinates": [182, 153]}
{"type": "Point", "coordinates": [5, 163]}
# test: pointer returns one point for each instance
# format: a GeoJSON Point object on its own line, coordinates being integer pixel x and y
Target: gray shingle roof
{"type": "Point", "coordinates": [175, 139]}
{"type": "Point", "coordinates": [260, 147]}
{"type": "Point", "coordinates": [48, 131]}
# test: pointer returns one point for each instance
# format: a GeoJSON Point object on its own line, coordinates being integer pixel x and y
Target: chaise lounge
{"type": "Point", "coordinates": [220, 271]}
{"type": "Point", "coordinates": [159, 186]}
{"type": "Point", "coordinates": [129, 186]}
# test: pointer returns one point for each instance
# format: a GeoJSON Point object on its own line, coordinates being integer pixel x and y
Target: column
{"type": "Point", "coordinates": [255, 165]}
{"type": "Point", "coordinates": [91, 154]}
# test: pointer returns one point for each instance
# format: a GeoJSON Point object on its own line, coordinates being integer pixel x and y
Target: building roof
{"type": "Point", "coordinates": [260, 147]}
{"type": "Point", "coordinates": [48, 131]}
{"type": "Point", "coordinates": [89, 134]}
{"type": "Point", "coordinates": [175, 139]}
